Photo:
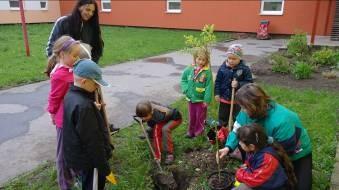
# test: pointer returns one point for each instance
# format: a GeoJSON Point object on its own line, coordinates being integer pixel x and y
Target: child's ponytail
{"type": "Point", "coordinates": [52, 61]}
{"type": "Point", "coordinates": [286, 163]}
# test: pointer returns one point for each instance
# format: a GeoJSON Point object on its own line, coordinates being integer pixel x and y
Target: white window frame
{"type": "Point", "coordinates": [263, 12]}
{"type": "Point", "coordinates": [14, 8]}
{"type": "Point", "coordinates": [102, 5]}
{"type": "Point", "coordinates": [168, 10]}
{"type": "Point", "coordinates": [46, 8]}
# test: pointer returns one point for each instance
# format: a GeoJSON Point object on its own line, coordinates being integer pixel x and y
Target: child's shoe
{"type": "Point", "coordinates": [189, 136]}
{"type": "Point", "coordinates": [113, 129]}
{"type": "Point", "coordinates": [169, 159]}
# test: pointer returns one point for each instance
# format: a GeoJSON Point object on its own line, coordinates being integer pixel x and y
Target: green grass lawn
{"type": "Point", "coordinates": [318, 111]}
{"type": "Point", "coordinates": [121, 44]}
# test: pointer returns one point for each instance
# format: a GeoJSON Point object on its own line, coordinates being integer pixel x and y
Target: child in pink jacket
{"type": "Point", "coordinates": [66, 52]}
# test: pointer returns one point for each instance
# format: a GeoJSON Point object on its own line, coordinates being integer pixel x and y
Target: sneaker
{"type": "Point", "coordinates": [169, 159]}
{"type": "Point", "coordinates": [142, 137]}
{"type": "Point", "coordinates": [189, 136]}
{"type": "Point", "coordinates": [112, 129]}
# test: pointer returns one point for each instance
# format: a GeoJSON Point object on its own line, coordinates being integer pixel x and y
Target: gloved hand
{"type": "Point", "coordinates": [236, 183]}
{"type": "Point", "coordinates": [111, 178]}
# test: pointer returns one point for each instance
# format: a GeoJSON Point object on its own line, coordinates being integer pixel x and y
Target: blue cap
{"type": "Point", "coordinates": [87, 68]}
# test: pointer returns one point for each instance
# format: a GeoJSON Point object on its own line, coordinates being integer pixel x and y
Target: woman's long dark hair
{"type": "Point", "coordinates": [75, 22]}
{"type": "Point", "coordinates": [256, 135]}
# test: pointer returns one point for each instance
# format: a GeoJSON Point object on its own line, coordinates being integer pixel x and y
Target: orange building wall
{"type": "Point", "coordinates": [240, 16]}
{"type": "Point", "coordinates": [32, 16]}
{"type": "Point", "coordinates": [66, 6]}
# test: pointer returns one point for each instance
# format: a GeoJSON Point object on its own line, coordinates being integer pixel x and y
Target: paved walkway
{"type": "Point", "coordinates": [27, 137]}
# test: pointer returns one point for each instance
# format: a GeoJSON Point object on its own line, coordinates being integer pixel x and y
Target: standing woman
{"type": "Point", "coordinates": [82, 24]}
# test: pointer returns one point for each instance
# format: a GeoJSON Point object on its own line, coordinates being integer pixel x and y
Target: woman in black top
{"type": "Point", "coordinates": [82, 24]}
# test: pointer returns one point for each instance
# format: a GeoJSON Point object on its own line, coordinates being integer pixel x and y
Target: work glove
{"type": "Point", "coordinates": [111, 178]}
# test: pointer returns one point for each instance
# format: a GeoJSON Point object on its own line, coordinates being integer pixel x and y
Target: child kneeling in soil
{"type": "Point", "coordinates": [162, 120]}
{"type": "Point", "coordinates": [267, 166]}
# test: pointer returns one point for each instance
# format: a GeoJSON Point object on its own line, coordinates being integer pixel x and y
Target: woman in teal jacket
{"type": "Point", "coordinates": [280, 123]}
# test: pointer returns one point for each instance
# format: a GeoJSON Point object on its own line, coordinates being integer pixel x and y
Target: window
{"type": "Point", "coordinates": [106, 5]}
{"type": "Point", "coordinates": [14, 4]}
{"type": "Point", "coordinates": [272, 7]}
{"type": "Point", "coordinates": [43, 5]}
{"type": "Point", "coordinates": [174, 6]}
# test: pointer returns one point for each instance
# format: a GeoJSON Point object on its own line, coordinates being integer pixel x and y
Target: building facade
{"type": "Point", "coordinates": [285, 16]}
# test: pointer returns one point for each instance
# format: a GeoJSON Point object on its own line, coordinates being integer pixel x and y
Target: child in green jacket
{"type": "Point", "coordinates": [196, 84]}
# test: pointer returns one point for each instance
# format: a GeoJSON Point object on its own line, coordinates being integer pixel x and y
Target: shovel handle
{"type": "Point", "coordinates": [230, 118]}
{"type": "Point", "coordinates": [100, 100]}
{"type": "Point", "coordinates": [148, 141]}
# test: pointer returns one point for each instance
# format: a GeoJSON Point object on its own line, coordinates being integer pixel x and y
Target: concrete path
{"type": "Point", "coordinates": [27, 137]}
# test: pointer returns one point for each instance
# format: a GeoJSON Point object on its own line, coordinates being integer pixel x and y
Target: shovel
{"type": "Point", "coordinates": [100, 104]}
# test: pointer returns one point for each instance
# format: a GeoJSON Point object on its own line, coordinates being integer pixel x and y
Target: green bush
{"type": "Point", "coordinates": [280, 64]}
{"type": "Point", "coordinates": [297, 45]}
{"type": "Point", "coordinates": [324, 56]}
{"type": "Point", "coordinates": [302, 70]}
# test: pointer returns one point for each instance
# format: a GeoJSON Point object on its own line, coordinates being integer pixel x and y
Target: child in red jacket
{"type": "Point", "coordinates": [267, 166]}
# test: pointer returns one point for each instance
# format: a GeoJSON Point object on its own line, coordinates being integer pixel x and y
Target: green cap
{"type": "Point", "coordinates": [87, 68]}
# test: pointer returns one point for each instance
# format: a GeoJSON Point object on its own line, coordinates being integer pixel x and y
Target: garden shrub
{"type": "Point", "coordinates": [297, 45]}
{"type": "Point", "coordinates": [280, 64]}
{"type": "Point", "coordinates": [324, 56]}
{"type": "Point", "coordinates": [302, 70]}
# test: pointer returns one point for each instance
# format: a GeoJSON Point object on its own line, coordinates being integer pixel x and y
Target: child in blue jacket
{"type": "Point", "coordinates": [233, 73]}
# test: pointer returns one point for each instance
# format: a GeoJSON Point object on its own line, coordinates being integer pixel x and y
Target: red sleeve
{"type": "Point", "coordinates": [57, 93]}
{"type": "Point", "coordinates": [260, 175]}
{"type": "Point", "coordinates": [222, 134]}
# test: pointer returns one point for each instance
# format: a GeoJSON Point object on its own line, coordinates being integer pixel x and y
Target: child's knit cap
{"type": "Point", "coordinates": [235, 49]}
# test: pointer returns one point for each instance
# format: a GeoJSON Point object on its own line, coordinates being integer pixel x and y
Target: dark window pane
{"type": "Point", "coordinates": [14, 4]}
{"type": "Point", "coordinates": [272, 6]}
{"type": "Point", "coordinates": [174, 5]}
{"type": "Point", "coordinates": [106, 5]}
{"type": "Point", "coordinates": [43, 4]}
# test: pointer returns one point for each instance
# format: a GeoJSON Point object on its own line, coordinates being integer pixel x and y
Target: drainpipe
{"type": "Point", "coordinates": [328, 16]}
{"type": "Point", "coordinates": [316, 13]}
{"type": "Point", "coordinates": [24, 29]}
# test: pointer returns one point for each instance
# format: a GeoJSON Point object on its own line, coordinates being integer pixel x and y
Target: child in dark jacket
{"type": "Point", "coordinates": [86, 142]}
{"type": "Point", "coordinates": [267, 166]}
{"type": "Point", "coordinates": [233, 73]}
{"type": "Point", "coordinates": [162, 120]}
